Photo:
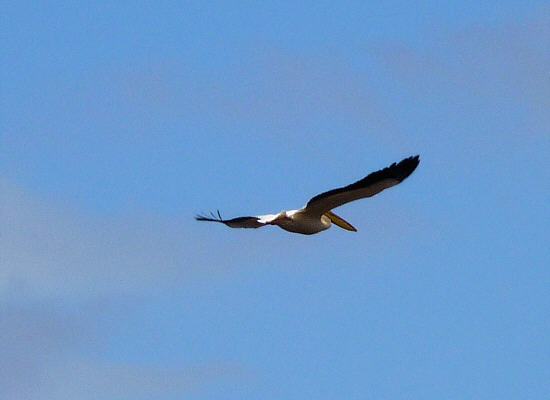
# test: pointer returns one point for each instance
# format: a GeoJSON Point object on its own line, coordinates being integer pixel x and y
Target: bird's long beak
{"type": "Point", "coordinates": [340, 222]}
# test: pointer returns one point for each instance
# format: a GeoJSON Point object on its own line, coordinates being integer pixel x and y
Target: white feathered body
{"type": "Point", "coordinates": [298, 221]}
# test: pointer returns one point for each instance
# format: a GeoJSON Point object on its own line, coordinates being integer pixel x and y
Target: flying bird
{"type": "Point", "coordinates": [317, 216]}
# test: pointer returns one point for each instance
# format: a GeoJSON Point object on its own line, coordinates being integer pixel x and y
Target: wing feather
{"type": "Point", "coordinates": [370, 185]}
{"type": "Point", "coordinates": [239, 222]}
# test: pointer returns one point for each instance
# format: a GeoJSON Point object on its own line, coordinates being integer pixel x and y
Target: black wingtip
{"type": "Point", "coordinates": [405, 167]}
{"type": "Point", "coordinates": [211, 218]}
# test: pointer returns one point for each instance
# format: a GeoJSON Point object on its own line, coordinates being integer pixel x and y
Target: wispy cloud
{"type": "Point", "coordinates": [42, 358]}
{"type": "Point", "coordinates": [56, 266]}
{"type": "Point", "coordinates": [54, 251]}
{"type": "Point", "coordinates": [499, 69]}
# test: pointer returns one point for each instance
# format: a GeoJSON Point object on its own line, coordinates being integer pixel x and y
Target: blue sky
{"type": "Point", "coordinates": [120, 122]}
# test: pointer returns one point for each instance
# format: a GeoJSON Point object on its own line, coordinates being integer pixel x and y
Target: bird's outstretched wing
{"type": "Point", "coordinates": [368, 186]}
{"type": "Point", "coordinates": [239, 222]}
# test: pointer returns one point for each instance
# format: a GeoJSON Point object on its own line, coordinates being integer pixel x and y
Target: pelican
{"type": "Point", "coordinates": [317, 216]}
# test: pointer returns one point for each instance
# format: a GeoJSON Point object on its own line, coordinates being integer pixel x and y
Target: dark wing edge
{"type": "Point", "coordinates": [239, 222]}
{"type": "Point", "coordinates": [397, 171]}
